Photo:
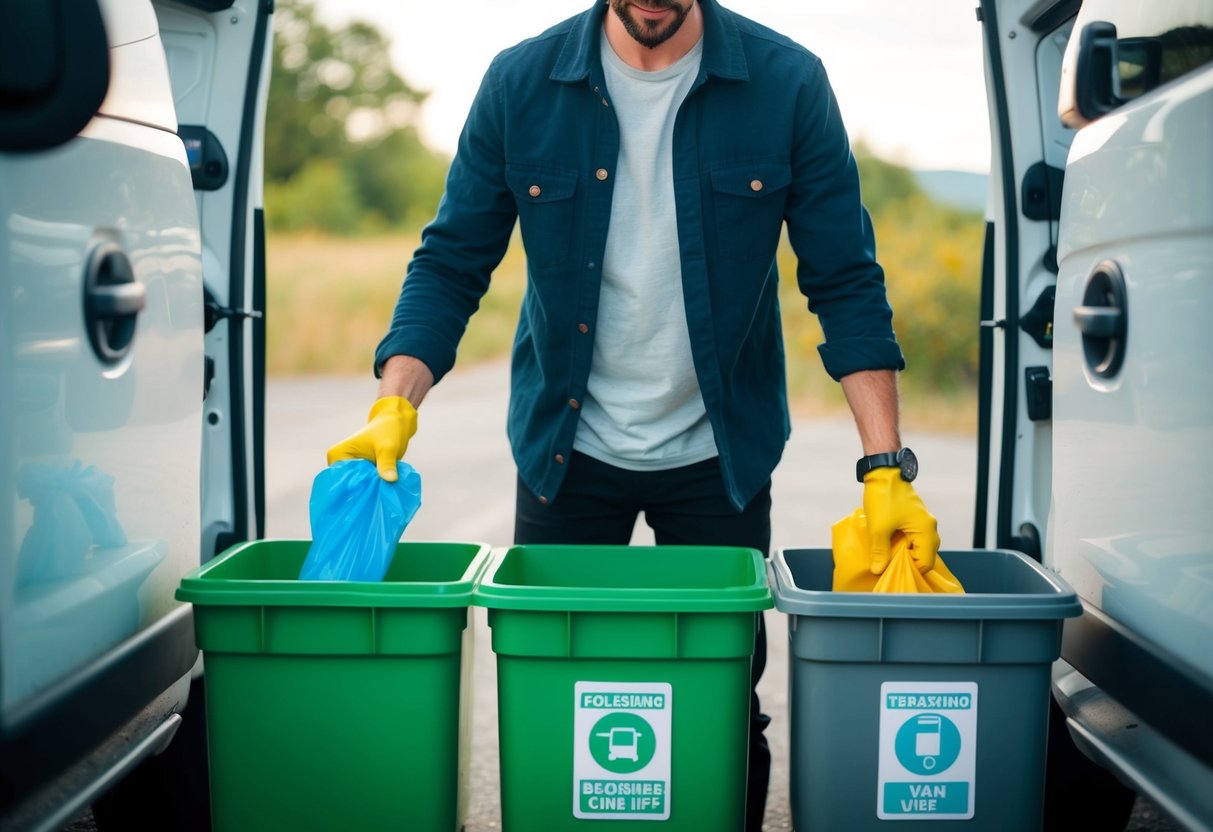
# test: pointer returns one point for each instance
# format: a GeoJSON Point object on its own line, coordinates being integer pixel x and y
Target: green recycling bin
{"type": "Point", "coordinates": [336, 705]}
{"type": "Point", "coordinates": [927, 710]}
{"type": "Point", "coordinates": [623, 683]}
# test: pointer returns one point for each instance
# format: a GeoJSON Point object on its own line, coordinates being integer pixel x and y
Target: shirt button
{"type": "Point", "coordinates": [534, 190]}
{"type": "Point", "coordinates": [602, 174]}
{"type": "Point", "coordinates": [583, 328]}
{"type": "Point", "coordinates": [755, 185]}
{"type": "Point", "coordinates": [573, 403]}
{"type": "Point", "coordinates": [591, 265]}
{"type": "Point", "coordinates": [543, 501]}
{"type": "Point", "coordinates": [560, 459]}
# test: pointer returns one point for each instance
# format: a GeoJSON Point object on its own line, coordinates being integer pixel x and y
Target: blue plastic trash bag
{"type": "Point", "coordinates": [357, 519]}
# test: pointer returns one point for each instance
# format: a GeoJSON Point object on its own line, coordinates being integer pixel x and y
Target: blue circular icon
{"type": "Point", "coordinates": [927, 744]}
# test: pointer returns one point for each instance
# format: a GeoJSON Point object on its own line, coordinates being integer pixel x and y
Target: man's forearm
{"type": "Point", "coordinates": [407, 377]}
{"type": "Point", "coordinates": [872, 395]}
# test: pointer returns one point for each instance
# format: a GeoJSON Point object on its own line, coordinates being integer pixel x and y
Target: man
{"type": "Point", "coordinates": [652, 151]}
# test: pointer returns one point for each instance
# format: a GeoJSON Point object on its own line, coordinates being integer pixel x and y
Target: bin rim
{"type": "Point", "coordinates": [491, 594]}
{"type": "Point", "coordinates": [1062, 602]}
{"type": "Point", "coordinates": [197, 588]}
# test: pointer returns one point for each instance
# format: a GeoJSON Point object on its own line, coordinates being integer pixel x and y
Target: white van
{"type": "Point", "coordinates": [1096, 419]}
{"type": "Point", "coordinates": [130, 388]}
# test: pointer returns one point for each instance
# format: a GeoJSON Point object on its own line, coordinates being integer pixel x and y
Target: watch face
{"type": "Point", "coordinates": [909, 464]}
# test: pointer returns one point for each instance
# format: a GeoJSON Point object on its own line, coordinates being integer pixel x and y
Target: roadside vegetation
{"type": "Point", "coordinates": [350, 184]}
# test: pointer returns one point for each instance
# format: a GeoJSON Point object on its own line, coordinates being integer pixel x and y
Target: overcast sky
{"type": "Point", "coordinates": [907, 73]}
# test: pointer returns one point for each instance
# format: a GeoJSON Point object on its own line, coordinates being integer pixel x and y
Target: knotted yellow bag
{"type": "Point", "coordinates": [853, 557]}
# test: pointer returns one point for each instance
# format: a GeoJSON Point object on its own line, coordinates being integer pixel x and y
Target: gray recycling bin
{"type": "Point", "coordinates": [921, 709]}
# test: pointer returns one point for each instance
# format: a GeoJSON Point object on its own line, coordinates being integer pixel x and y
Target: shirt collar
{"type": "Point", "coordinates": [723, 55]}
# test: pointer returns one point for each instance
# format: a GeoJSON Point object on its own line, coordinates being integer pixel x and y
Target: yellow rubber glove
{"type": "Point", "coordinates": [852, 550]}
{"type": "Point", "coordinates": [891, 505]}
{"type": "Point", "coordinates": [391, 425]}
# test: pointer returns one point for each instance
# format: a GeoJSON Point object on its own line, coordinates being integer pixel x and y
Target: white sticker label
{"type": "Point", "coordinates": [621, 750]}
{"type": "Point", "coordinates": [928, 750]}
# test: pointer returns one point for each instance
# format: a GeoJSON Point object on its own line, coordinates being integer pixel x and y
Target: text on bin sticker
{"type": "Point", "coordinates": [928, 750]}
{"type": "Point", "coordinates": [621, 750]}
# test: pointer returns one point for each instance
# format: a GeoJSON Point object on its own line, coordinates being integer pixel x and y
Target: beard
{"type": "Point", "coordinates": [650, 33]}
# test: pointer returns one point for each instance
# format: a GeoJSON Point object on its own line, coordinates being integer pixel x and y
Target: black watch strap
{"type": "Point", "coordinates": [903, 459]}
{"type": "Point", "coordinates": [867, 463]}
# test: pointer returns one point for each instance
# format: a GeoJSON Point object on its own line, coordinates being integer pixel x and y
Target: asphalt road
{"type": "Point", "coordinates": [468, 493]}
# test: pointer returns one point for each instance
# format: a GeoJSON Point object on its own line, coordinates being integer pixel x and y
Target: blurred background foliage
{"type": "Point", "coordinates": [342, 152]}
{"type": "Point", "coordinates": [349, 184]}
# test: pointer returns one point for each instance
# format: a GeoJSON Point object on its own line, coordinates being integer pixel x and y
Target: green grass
{"type": "Point", "coordinates": [330, 300]}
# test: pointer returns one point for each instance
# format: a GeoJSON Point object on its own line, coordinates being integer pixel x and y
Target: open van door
{"type": "Point", "coordinates": [219, 59]}
{"type": "Point", "coordinates": [131, 346]}
{"type": "Point", "coordinates": [1097, 388]}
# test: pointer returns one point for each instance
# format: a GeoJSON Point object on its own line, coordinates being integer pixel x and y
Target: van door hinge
{"type": "Point", "coordinates": [208, 375]}
{"type": "Point", "coordinates": [1038, 393]}
{"type": "Point", "coordinates": [215, 312]}
{"type": "Point", "coordinates": [1038, 321]}
{"type": "Point", "coordinates": [1028, 541]}
{"type": "Point", "coordinates": [1040, 192]}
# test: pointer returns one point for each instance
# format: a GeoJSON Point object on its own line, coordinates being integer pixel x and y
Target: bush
{"type": "Point", "coordinates": [320, 197]}
{"type": "Point", "coordinates": [399, 179]}
{"type": "Point", "coordinates": [932, 260]}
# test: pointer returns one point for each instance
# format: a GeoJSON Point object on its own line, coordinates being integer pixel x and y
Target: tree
{"type": "Point", "coordinates": [337, 112]}
{"type": "Point", "coordinates": [399, 177]}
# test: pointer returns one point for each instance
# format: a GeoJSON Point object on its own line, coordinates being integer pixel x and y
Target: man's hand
{"type": "Point", "coordinates": [391, 425]}
{"type": "Point", "coordinates": [891, 505]}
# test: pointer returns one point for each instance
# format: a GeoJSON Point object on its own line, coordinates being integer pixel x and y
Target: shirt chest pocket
{"type": "Point", "coordinates": [748, 202]}
{"type": "Point", "coordinates": [545, 199]}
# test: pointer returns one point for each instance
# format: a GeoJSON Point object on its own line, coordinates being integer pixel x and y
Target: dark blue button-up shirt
{"type": "Point", "coordinates": [758, 142]}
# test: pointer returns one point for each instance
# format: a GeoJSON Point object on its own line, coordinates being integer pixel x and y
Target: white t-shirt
{"type": "Point", "coordinates": [643, 409]}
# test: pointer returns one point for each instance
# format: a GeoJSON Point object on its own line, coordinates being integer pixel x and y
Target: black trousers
{"type": "Point", "coordinates": [598, 504]}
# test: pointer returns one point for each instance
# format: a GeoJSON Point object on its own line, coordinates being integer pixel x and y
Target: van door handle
{"type": "Point", "coordinates": [120, 300]}
{"type": "Point", "coordinates": [1103, 319]}
{"type": "Point", "coordinates": [1100, 321]}
{"type": "Point", "coordinates": [113, 298]}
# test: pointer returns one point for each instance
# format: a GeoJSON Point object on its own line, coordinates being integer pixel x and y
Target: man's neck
{"type": "Point", "coordinates": [665, 54]}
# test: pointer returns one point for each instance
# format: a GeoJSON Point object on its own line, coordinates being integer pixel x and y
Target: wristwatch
{"type": "Point", "coordinates": [903, 459]}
